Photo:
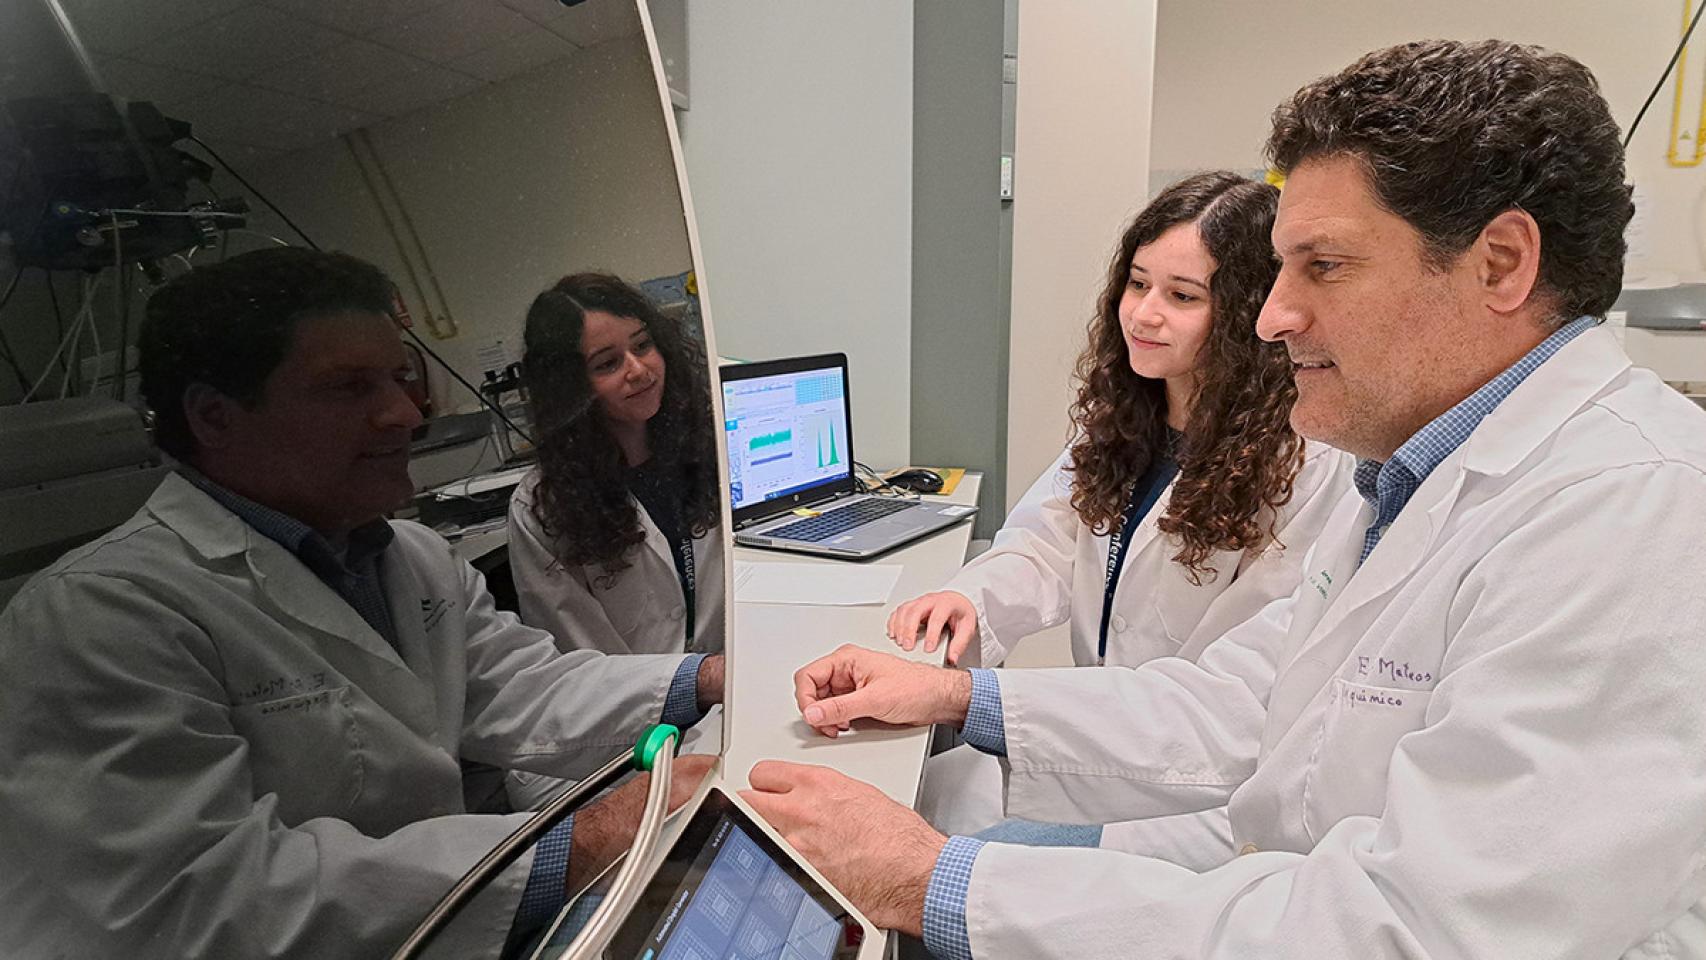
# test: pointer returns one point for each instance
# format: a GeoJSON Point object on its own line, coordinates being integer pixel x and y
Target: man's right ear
{"type": "Point", "coordinates": [210, 415]}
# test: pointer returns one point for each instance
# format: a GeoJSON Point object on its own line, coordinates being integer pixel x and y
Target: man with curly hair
{"type": "Point", "coordinates": [1474, 730]}
{"type": "Point", "coordinates": [232, 726]}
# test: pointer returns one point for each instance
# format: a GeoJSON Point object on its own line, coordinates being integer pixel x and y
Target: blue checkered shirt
{"type": "Point", "coordinates": [984, 727]}
{"type": "Point", "coordinates": [1388, 486]}
{"type": "Point", "coordinates": [945, 933]}
{"type": "Point", "coordinates": [945, 899]}
{"type": "Point", "coordinates": [545, 891]}
{"type": "Point", "coordinates": [352, 573]}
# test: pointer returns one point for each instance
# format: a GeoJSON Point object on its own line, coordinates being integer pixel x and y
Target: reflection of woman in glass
{"type": "Point", "coordinates": [612, 538]}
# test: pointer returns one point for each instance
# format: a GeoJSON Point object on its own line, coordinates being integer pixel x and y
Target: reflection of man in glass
{"type": "Point", "coordinates": [613, 538]}
{"type": "Point", "coordinates": [232, 726]}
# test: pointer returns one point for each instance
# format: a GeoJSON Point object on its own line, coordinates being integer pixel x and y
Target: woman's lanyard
{"type": "Point", "coordinates": [684, 570]}
{"type": "Point", "coordinates": [1143, 496]}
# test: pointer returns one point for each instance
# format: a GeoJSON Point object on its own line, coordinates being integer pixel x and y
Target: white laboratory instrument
{"type": "Point", "coordinates": [69, 471]}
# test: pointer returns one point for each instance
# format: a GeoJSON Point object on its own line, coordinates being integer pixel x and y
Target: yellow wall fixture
{"type": "Point", "coordinates": [1674, 157]}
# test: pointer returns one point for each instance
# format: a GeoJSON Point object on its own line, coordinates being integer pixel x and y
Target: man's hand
{"type": "Point", "coordinates": [944, 615]}
{"type": "Point", "coordinates": [606, 827]}
{"type": "Point", "coordinates": [877, 852]}
{"type": "Point", "coordinates": [854, 683]}
{"type": "Point", "coordinates": [710, 681]}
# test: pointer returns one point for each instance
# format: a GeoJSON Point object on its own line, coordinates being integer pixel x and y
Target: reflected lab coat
{"type": "Point", "coordinates": [1488, 741]}
{"type": "Point", "coordinates": [1047, 567]}
{"type": "Point", "coordinates": [639, 610]}
{"type": "Point", "coordinates": [205, 752]}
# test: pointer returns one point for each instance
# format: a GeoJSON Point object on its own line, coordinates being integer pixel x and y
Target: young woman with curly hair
{"type": "Point", "coordinates": [1185, 502]}
{"type": "Point", "coordinates": [613, 537]}
{"type": "Point", "coordinates": [1182, 453]}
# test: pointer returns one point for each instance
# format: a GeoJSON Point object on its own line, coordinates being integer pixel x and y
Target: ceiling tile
{"type": "Point", "coordinates": [595, 22]}
{"type": "Point", "coordinates": [240, 155]}
{"type": "Point", "coordinates": [242, 43]}
{"type": "Point", "coordinates": [164, 86]}
{"type": "Point", "coordinates": [268, 118]}
{"type": "Point", "coordinates": [510, 57]}
{"type": "Point", "coordinates": [455, 29]}
{"type": "Point", "coordinates": [353, 17]}
{"type": "Point", "coordinates": [539, 11]}
{"type": "Point", "coordinates": [428, 86]}
{"type": "Point", "coordinates": [116, 26]}
{"type": "Point", "coordinates": [342, 73]}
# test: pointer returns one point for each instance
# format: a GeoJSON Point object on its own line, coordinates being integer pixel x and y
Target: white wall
{"type": "Point", "coordinates": [1081, 168]}
{"type": "Point", "coordinates": [564, 168]}
{"type": "Point", "coordinates": [799, 152]}
{"type": "Point", "coordinates": [1222, 65]}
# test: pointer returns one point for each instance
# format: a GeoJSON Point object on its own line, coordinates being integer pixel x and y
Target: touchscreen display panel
{"type": "Point", "coordinates": [726, 890]}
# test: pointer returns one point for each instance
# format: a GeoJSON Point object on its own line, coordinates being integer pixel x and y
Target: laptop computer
{"type": "Point", "coordinates": [789, 431]}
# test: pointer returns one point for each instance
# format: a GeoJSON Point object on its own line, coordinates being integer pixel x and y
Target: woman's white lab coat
{"type": "Point", "coordinates": [639, 610]}
{"type": "Point", "coordinates": [207, 753]}
{"type": "Point", "coordinates": [1488, 741]}
{"type": "Point", "coordinates": [1047, 567]}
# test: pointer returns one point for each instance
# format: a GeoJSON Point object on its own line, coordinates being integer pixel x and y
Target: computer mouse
{"type": "Point", "coordinates": [918, 480]}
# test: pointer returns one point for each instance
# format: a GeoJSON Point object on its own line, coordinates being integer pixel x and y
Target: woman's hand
{"type": "Point", "coordinates": [941, 615]}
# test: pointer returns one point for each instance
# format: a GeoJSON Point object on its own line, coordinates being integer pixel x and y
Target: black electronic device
{"type": "Point", "coordinates": [92, 185]}
{"type": "Point", "coordinates": [726, 889]}
{"type": "Point", "coordinates": [916, 479]}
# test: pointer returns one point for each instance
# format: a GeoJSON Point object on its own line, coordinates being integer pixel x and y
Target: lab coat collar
{"type": "Point", "coordinates": [1535, 410]}
{"type": "Point", "coordinates": [210, 529]}
{"type": "Point", "coordinates": [1541, 404]}
{"type": "Point", "coordinates": [215, 533]}
{"type": "Point", "coordinates": [1147, 529]}
{"type": "Point", "coordinates": [655, 539]}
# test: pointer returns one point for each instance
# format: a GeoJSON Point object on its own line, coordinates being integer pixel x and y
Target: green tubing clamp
{"type": "Point", "coordinates": [646, 750]}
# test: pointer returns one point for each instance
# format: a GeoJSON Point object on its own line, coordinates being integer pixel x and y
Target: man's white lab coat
{"type": "Point", "coordinates": [1488, 741]}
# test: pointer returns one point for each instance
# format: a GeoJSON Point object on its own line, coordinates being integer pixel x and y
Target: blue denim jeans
{"type": "Point", "coordinates": [1031, 833]}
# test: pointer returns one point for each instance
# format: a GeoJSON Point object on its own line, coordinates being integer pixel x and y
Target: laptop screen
{"type": "Point", "coordinates": [788, 431]}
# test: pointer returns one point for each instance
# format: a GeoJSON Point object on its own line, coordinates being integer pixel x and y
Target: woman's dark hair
{"type": "Point", "coordinates": [1238, 456]}
{"type": "Point", "coordinates": [1453, 134]}
{"type": "Point", "coordinates": [230, 324]}
{"type": "Point", "coordinates": [582, 500]}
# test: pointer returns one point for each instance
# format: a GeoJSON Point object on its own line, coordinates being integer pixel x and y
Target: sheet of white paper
{"type": "Point", "coordinates": [832, 584]}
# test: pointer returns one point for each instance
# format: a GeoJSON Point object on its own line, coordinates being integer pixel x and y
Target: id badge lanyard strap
{"type": "Point", "coordinates": [1143, 496]}
{"type": "Point", "coordinates": [689, 585]}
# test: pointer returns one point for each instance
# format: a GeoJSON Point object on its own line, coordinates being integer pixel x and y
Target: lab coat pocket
{"type": "Point", "coordinates": [1348, 773]}
{"type": "Point", "coordinates": [306, 750]}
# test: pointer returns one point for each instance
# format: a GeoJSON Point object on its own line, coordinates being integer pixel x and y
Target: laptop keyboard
{"type": "Point", "coordinates": [816, 529]}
